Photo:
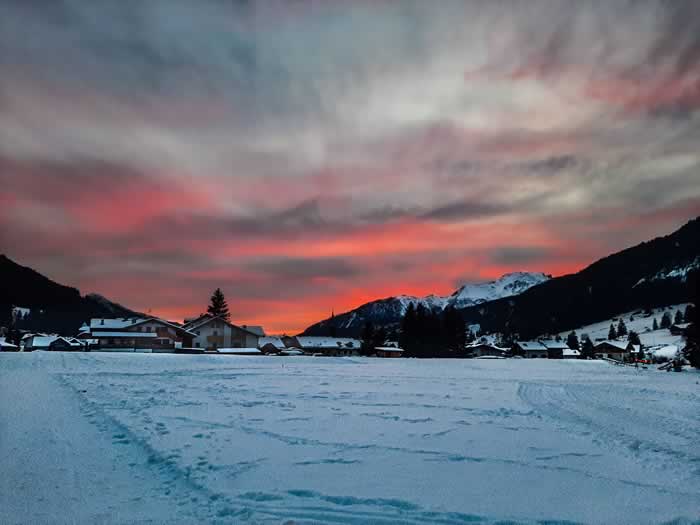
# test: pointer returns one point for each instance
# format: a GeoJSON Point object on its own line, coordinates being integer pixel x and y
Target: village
{"type": "Point", "coordinates": [214, 334]}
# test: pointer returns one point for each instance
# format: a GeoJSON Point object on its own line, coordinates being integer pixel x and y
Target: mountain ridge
{"type": "Point", "coordinates": [389, 310]}
{"type": "Point", "coordinates": [54, 307]}
{"type": "Point", "coordinates": [657, 272]}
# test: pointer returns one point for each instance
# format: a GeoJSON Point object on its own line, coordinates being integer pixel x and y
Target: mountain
{"type": "Point", "coordinates": [54, 307]}
{"type": "Point", "coordinates": [389, 311]}
{"type": "Point", "coordinates": [655, 273]}
{"type": "Point", "coordinates": [508, 285]}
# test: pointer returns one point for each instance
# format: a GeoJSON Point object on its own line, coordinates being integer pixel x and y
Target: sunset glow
{"type": "Point", "coordinates": [267, 149]}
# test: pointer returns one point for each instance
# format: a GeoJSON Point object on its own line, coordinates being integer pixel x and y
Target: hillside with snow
{"type": "Point", "coordinates": [389, 311]}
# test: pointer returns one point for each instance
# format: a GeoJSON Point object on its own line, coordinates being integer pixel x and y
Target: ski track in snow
{"type": "Point", "coordinates": [346, 440]}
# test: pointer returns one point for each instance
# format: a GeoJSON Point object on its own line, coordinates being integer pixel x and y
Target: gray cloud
{"type": "Point", "coordinates": [305, 268]}
{"type": "Point", "coordinates": [515, 255]}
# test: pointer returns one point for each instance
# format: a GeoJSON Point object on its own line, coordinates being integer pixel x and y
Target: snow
{"type": "Point", "coordinates": [274, 341]}
{"type": "Point", "coordinates": [239, 351]}
{"type": "Point", "coordinates": [470, 294]}
{"type": "Point", "coordinates": [163, 438]}
{"type": "Point", "coordinates": [5, 344]}
{"type": "Point", "coordinates": [635, 321]}
{"type": "Point", "coordinates": [506, 286]}
{"type": "Point", "coordinates": [116, 323]}
{"type": "Point", "coordinates": [43, 341]}
{"type": "Point", "coordinates": [531, 345]}
{"type": "Point", "coordinates": [666, 352]}
{"type": "Point", "coordinates": [310, 342]}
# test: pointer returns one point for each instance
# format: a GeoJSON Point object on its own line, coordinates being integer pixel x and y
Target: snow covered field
{"type": "Point", "coordinates": [103, 438]}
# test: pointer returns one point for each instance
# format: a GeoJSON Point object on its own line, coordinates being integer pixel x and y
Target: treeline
{"type": "Point", "coordinates": [425, 333]}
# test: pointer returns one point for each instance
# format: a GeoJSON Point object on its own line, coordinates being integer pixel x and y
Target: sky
{"type": "Point", "coordinates": [307, 156]}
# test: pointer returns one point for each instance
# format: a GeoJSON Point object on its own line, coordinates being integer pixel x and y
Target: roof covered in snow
{"type": "Point", "coordinates": [207, 318]}
{"type": "Point", "coordinates": [240, 351]}
{"type": "Point", "coordinates": [570, 352]}
{"type": "Point", "coordinates": [5, 344]}
{"type": "Point", "coordinates": [531, 345]}
{"type": "Point", "coordinates": [328, 342]}
{"type": "Point", "coordinates": [552, 344]}
{"type": "Point", "coordinates": [622, 345]}
{"type": "Point", "coordinates": [256, 329]}
{"type": "Point", "coordinates": [115, 323]}
{"type": "Point", "coordinates": [268, 340]}
{"type": "Point", "coordinates": [388, 349]}
{"type": "Point", "coordinates": [43, 341]}
{"type": "Point", "coordinates": [292, 351]}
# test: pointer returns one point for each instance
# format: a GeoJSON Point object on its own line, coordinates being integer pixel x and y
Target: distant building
{"type": "Point", "coordinates": [137, 333]}
{"type": "Point", "coordinates": [67, 344]}
{"type": "Point", "coordinates": [212, 333]}
{"type": "Point", "coordinates": [571, 353]}
{"type": "Point", "coordinates": [485, 349]}
{"type": "Point", "coordinates": [619, 350]}
{"type": "Point", "coordinates": [38, 341]}
{"type": "Point", "coordinates": [330, 346]}
{"type": "Point", "coordinates": [389, 351]}
{"type": "Point", "coordinates": [271, 345]}
{"type": "Point", "coordinates": [531, 349]}
{"type": "Point", "coordinates": [555, 349]}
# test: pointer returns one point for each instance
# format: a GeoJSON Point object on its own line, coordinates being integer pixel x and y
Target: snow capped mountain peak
{"type": "Point", "coordinates": [505, 286]}
{"type": "Point", "coordinates": [470, 294]}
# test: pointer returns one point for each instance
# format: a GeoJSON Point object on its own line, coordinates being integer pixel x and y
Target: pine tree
{"type": "Point", "coordinates": [587, 349]}
{"type": "Point", "coordinates": [612, 334]}
{"type": "Point", "coordinates": [633, 338]}
{"type": "Point", "coordinates": [689, 313]}
{"type": "Point", "coordinates": [219, 306]}
{"type": "Point", "coordinates": [666, 320]}
{"type": "Point", "coordinates": [368, 339]}
{"type": "Point", "coordinates": [621, 328]}
{"type": "Point", "coordinates": [572, 341]}
{"type": "Point", "coordinates": [678, 319]}
{"type": "Point", "coordinates": [655, 326]}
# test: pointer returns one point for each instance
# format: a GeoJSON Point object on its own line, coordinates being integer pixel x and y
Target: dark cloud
{"type": "Point", "coordinates": [515, 255]}
{"type": "Point", "coordinates": [463, 210]}
{"type": "Point", "coordinates": [551, 164]}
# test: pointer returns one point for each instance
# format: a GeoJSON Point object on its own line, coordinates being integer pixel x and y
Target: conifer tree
{"type": "Point", "coordinates": [587, 349]}
{"type": "Point", "coordinates": [621, 328]}
{"type": "Point", "coordinates": [655, 326]}
{"type": "Point", "coordinates": [218, 306]}
{"type": "Point", "coordinates": [666, 320]}
{"type": "Point", "coordinates": [678, 319]}
{"type": "Point", "coordinates": [368, 338]}
{"type": "Point", "coordinates": [689, 313]}
{"type": "Point", "coordinates": [612, 334]}
{"type": "Point", "coordinates": [633, 338]}
{"type": "Point", "coordinates": [572, 341]}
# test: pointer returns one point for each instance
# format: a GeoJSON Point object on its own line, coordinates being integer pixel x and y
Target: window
{"type": "Point", "coordinates": [196, 345]}
{"type": "Point", "coordinates": [216, 332]}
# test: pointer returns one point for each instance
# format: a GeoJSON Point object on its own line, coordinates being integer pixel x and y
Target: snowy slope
{"type": "Point", "coordinates": [639, 322]}
{"type": "Point", "coordinates": [222, 439]}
